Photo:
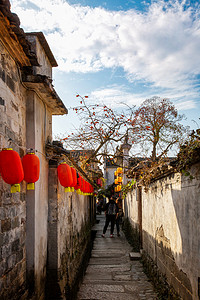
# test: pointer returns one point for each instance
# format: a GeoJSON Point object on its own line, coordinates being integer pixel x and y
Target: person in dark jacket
{"type": "Point", "coordinates": [111, 211]}
{"type": "Point", "coordinates": [119, 215]}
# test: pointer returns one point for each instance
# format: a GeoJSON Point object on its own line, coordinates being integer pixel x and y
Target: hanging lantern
{"type": "Point", "coordinates": [11, 168]}
{"type": "Point", "coordinates": [65, 176]}
{"type": "Point", "coordinates": [119, 170]}
{"type": "Point", "coordinates": [87, 188]}
{"type": "Point", "coordinates": [83, 186]}
{"type": "Point", "coordinates": [116, 181]}
{"type": "Point", "coordinates": [74, 176]}
{"type": "Point", "coordinates": [119, 178]}
{"type": "Point", "coordinates": [31, 166]}
{"type": "Point", "coordinates": [90, 188]}
{"type": "Point", "coordinates": [119, 187]}
{"type": "Point", "coordinates": [78, 185]}
{"type": "Point", "coordinates": [115, 173]}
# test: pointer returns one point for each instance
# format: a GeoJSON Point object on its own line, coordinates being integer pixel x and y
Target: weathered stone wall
{"type": "Point", "coordinates": [69, 233]}
{"type": "Point", "coordinates": [45, 67]}
{"type": "Point", "coordinates": [171, 228]}
{"type": "Point", "coordinates": [12, 206]}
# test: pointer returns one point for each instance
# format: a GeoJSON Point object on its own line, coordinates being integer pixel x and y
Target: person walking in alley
{"type": "Point", "coordinates": [111, 211]}
{"type": "Point", "coordinates": [119, 215]}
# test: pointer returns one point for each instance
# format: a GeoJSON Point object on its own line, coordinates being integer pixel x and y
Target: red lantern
{"type": "Point", "coordinates": [87, 187]}
{"type": "Point", "coordinates": [65, 175]}
{"type": "Point", "coordinates": [74, 176]}
{"type": "Point", "coordinates": [82, 185]}
{"type": "Point", "coordinates": [78, 185]}
{"type": "Point", "coordinates": [31, 166]}
{"type": "Point", "coordinates": [11, 168]}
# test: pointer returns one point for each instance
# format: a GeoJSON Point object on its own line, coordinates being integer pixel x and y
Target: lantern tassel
{"type": "Point", "coordinates": [30, 186]}
{"type": "Point", "coordinates": [15, 188]}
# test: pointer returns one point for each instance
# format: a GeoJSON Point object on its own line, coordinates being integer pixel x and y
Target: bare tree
{"type": "Point", "coordinates": [101, 129]}
{"type": "Point", "coordinates": [158, 126]}
{"type": "Point", "coordinates": [154, 126]}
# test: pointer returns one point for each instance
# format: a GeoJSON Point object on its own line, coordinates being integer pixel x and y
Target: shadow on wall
{"type": "Point", "coordinates": [169, 281]}
{"type": "Point", "coordinates": [186, 203]}
{"type": "Point", "coordinates": [181, 267]}
{"type": "Point", "coordinates": [175, 202]}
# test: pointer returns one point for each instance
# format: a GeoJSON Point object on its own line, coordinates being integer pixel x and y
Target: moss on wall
{"type": "Point", "coordinates": [165, 292]}
{"type": "Point", "coordinates": [132, 234]}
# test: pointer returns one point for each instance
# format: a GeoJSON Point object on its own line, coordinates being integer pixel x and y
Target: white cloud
{"type": "Point", "coordinates": [116, 96]}
{"type": "Point", "coordinates": [160, 46]}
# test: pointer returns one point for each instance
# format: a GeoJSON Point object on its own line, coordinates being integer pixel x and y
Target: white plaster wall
{"type": "Point", "coordinates": [37, 200]}
{"type": "Point", "coordinates": [41, 191]}
{"type": "Point", "coordinates": [110, 175]}
{"type": "Point", "coordinates": [131, 207]}
{"type": "Point", "coordinates": [174, 204]}
{"type": "Point", "coordinates": [158, 210]}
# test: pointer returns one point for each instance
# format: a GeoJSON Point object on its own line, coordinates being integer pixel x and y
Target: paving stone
{"type": "Point", "coordinates": [102, 288]}
{"type": "Point", "coordinates": [108, 268]}
{"type": "Point", "coordinates": [111, 274]}
{"type": "Point", "coordinates": [122, 277]}
{"type": "Point", "coordinates": [104, 261]}
{"type": "Point", "coordinates": [134, 256]}
{"type": "Point", "coordinates": [105, 295]}
{"type": "Point", "coordinates": [89, 276]}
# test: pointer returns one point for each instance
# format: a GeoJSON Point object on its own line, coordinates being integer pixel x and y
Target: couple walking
{"type": "Point", "coordinates": [112, 216]}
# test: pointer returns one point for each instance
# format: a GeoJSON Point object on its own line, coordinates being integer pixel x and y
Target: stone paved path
{"type": "Point", "coordinates": [111, 274]}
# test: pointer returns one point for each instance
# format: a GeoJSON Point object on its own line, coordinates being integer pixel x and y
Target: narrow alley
{"type": "Point", "coordinates": [111, 274]}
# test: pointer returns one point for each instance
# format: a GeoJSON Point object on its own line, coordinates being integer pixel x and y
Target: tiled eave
{"type": "Point", "coordinates": [43, 87]}
{"type": "Point", "coordinates": [56, 150]}
{"type": "Point", "coordinates": [13, 37]}
{"type": "Point", "coordinates": [45, 46]}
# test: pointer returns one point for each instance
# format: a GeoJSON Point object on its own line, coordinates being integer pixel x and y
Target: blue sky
{"type": "Point", "coordinates": [120, 51]}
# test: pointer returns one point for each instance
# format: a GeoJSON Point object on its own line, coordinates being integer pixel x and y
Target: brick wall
{"type": "Point", "coordinates": [12, 206]}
